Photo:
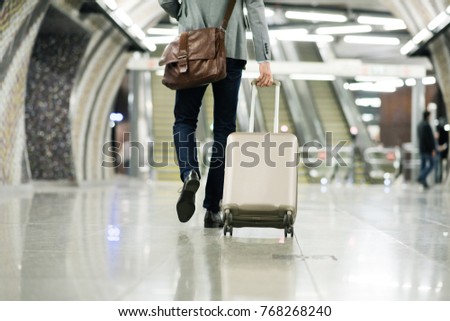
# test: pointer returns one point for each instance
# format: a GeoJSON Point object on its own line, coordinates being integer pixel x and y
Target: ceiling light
{"type": "Point", "coordinates": [123, 17]}
{"type": "Point", "coordinates": [382, 21]}
{"type": "Point", "coordinates": [269, 13]}
{"type": "Point", "coordinates": [422, 36]}
{"type": "Point", "coordinates": [442, 19]}
{"type": "Point", "coordinates": [394, 27]}
{"type": "Point", "coordinates": [137, 31]}
{"type": "Point", "coordinates": [313, 77]}
{"type": "Point", "coordinates": [287, 33]}
{"type": "Point", "coordinates": [305, 38]}
{"type": "Point", "coordinates": [429, 80]}
{"type": "Point", "coordinates": [388, 81]}
{"type": "Point", "coordinates": [343, 29]}
{"type": "Point", "coordinates": [161, 40]}
{"type": "Point", "coordinates": [370, 87]}
{"type": "Point", "coordinates": [315, 16]}
{"type": "Point", "coordinates": [368, 102]}
{"type": "Point", "coordinates": [163, 31]}
{"type": "Point", "coordinates": [396, 82]}
{"type": "Point", "coordinates": [111, 4]}
{"type": "Point", "coordinates": [376, 79]}
{"type": "Point", "coordinates": [149, 44]}
{"type": "Point", "coordinates": [367, 117]}
{"type": "Point", "coordinates": [407, 48]}
{"type": "Point", "coordinates": [391, 41]}
{"type": "Point", "coordinates": [116, 117]}
{"type": "Point", "coordinates": [440, 22]}
{"type": "Point", "coordinates": [410, 82]}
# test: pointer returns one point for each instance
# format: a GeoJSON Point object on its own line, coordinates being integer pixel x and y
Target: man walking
{"type": "Point", "coordinates": [427, 149]}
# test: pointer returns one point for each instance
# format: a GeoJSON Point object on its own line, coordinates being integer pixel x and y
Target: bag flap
{"type": "Point", "coordinates": [201, 45]}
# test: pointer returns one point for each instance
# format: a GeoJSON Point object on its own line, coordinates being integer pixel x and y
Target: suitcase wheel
{"type": "Point", "coordinates": [227, 227]}
{"type": "Point", "coordinates": [287, 222]}
{"type": "Point", "coordinates": [289, 230]}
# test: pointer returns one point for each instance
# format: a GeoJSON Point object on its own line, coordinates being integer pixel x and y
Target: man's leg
{"type": "Point", "coordinates": [438, 168]}
{"type": "Point", "coordinates": [187, 107]}
{"type": "Point", "coordinates": [423, 166]}
{"type": "Point", "coordinates": [429, 166]}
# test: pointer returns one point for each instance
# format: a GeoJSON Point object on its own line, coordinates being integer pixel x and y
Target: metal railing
{"type": "Point", "coordinates": [410, 164]}
{"type": "Point", "coordinates": [322, 166]}
{"type": "Point", "coordinates": [382, 164]}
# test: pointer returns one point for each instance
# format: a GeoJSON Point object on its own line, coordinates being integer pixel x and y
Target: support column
{"type": "Point", "coordinates": [417, 107]}
{"type": "Point", "coordinates": [140, 111]}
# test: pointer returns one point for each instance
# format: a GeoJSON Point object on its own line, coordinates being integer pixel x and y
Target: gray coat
{"type": "Point", "coordinates": [196, 14]}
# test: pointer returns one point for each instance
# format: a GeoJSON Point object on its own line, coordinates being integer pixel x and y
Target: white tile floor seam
{"type": "Point", "coordinates": [123, 241]}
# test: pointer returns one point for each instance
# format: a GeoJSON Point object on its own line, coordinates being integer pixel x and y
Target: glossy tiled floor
{"type": "Point", "coordinates": [122, 241]}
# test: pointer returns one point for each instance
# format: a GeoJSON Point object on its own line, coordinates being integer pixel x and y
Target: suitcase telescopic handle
{"type": "Point", "coordinates": [276, 120]}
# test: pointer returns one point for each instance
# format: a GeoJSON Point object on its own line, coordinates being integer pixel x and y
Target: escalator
{"type": "Point", "coordinates": [324, 98]}
{"type": "Point", "coordinates": [334, 120]}
{"type": "Point", "coordinates": [163, 150]}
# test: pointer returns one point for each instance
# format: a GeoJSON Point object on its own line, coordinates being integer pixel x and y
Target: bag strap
{"type": "Point", "coordinates": [228, 13]}
{"type": "Point", "coordinates": [183, 49]}
{"type": "Point", "coordinates": [182, 52]}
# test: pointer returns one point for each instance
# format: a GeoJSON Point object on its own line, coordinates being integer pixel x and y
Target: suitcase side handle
{"type": "Point", "coordinates": [276, 121]}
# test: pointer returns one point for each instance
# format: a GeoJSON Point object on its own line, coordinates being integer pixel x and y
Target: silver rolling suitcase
{"type": "Point", "coordinates": [260, 187]}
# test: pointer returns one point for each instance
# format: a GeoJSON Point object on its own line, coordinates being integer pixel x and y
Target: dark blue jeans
{"type": "Point", "coordinates": [426, 166]}
{"type": "Point", "coordinates": [187, 108]}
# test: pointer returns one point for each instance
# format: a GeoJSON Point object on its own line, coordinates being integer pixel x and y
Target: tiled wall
{"type": "Point", "coordinates": [58, 126]}
{"type": "Point", "coordinates": [95, 93]}
{"type": "Point", "coordinates": [19, 25]}
{"type": "Point", "coordinates": [52, 70]}
{"type": "Point", "coordinates": [99, 128]}
{"type": "Point", "coordinates": [92, 94]}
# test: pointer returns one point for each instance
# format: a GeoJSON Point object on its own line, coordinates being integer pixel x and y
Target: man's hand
{"type": "Point", "coordinates": [265, 78]}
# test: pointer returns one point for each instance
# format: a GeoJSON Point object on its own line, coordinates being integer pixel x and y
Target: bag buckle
{"type": "Point", "coordinates": [182, 63]}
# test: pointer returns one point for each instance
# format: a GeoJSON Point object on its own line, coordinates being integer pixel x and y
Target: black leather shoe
{"type": "Point", "coordinates": [186, 201]}
{"type": "Point", "coordinates": [213, 219]}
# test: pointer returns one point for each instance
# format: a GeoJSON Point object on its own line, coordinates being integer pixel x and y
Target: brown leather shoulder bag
{"type": "Point", "coordinates": [196, 57]}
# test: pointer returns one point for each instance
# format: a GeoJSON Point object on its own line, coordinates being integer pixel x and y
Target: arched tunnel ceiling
{"type": "Point", "coordinates": [147, 13]}
{"type": "Point", "coordinates": [144, 13]}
